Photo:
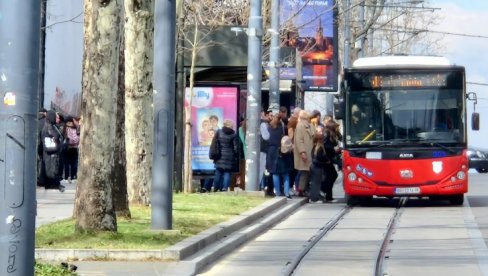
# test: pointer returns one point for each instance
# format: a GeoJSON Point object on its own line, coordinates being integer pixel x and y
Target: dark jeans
{"type": "Point", "coordinates": [71, 163]}
{"type": "Point", "coordinates": [330, 178]}
{"type": "Point", "coordinates": [221, 180]}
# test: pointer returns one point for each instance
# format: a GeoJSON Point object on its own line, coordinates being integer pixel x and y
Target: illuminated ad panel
{"type": "Point", "coordinates": [309, 26]}
{"type": "Point", "coordinates": [210, 107]}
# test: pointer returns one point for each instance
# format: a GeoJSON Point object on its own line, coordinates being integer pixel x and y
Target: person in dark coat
{"type": "Point", "coordinates": [40, 124]}
{"type": "Point", "coordinates": [332, 149]}
{"type": "Point", "coordinates": [276, 132]}
{"type": "Point", "coordinates": [317, 170]}
{"type": "Point", "coordinates": [228, 161]}
{"type": "Point", "coordinates": [50, 159]}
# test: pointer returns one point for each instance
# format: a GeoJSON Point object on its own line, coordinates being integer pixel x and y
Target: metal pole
{"type": "Point", "coordinates": [347, 34]}
{"type": "Point", "coordinates": [164, 114]}
{"type": "Point", "coordinates": [299, 80]}
{"type": "Point", "coordinates": [254, 72]}
{"type": "Point", "coordinates": [362, 22]}
{"type": "Point", "coordinates": [180, 96]}
{"type": "Point", "coordinates": [274, 59]}
{"type": "Point", "coordinates": [19, 69]}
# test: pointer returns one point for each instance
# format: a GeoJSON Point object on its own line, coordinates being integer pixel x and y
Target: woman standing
{"type": "Point", "coordinates": [227, 162]}
{"type": "Point", "coordinates": [72, 132]}
{"type": "Point", "coordinates": [332, 149]}
{"type": "Point", "coordinates": [277, 162]}
{"type": "Point", "coordinates": [50, 139]}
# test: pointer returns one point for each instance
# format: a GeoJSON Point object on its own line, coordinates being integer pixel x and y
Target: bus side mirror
{"type": "Point", "coordinates": [339, 109]}
{"type": "Point", "coordinates": [475, 121]}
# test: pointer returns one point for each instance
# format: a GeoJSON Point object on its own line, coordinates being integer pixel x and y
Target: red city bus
{"type": "Point", "coordinates": [404, 130]}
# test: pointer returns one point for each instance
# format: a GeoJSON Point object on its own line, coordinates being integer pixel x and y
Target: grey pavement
{"type": "Point", "coordinates": [188, 257]}
{"type": "Point", "coordinates": [52, 205]}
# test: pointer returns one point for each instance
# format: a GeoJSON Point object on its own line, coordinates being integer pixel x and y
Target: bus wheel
{"type": "Point", "coordinates": [351, 200]}
{"type": "Point", "coordinates": [366, 200]}
{"type": "Point", "coordinates": [457, 199]}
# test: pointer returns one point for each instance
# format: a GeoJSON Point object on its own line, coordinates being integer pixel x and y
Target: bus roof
{"type": "Point", "coordinates": [401, 61]}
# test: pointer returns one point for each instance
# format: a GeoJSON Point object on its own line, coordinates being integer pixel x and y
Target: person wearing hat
{"type": "Point", "coordinates": [276, 163]}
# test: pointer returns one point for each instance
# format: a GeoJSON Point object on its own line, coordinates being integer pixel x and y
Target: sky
{"type": "Point", "coordinates": [468, 17]}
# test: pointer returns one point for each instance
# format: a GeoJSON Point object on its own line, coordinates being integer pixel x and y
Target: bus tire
{"type": "Point", "coordinates": [351, 200]}
{"type": "Point", "coordinates": [366, 200]}
{"type": "Point", "coordinates": [457, 199]}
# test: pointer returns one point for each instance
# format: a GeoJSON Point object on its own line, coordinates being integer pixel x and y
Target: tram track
{"type": "Point", "coordinates": [292, 265]}
{"type": "Point", "coordinates": [382, 253]}
{"type": "Point", "coordinates": [383, 250]}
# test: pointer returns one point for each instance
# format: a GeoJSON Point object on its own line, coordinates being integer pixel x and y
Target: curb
{"type": "Point", "coordinates": [200, 260]}
{"type": "Point", "coordinates": [190, 246]}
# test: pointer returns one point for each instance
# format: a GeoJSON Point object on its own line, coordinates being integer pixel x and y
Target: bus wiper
{"type": "Point", "coordinates": [439, 145]}
{"type": "Point", "coordinates": [368, 136]}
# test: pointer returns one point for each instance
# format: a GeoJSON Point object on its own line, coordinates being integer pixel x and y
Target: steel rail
{"type": "Point", "coordinates": [378, 270]}
{"type": "Point", "coordinates": [292, 265]}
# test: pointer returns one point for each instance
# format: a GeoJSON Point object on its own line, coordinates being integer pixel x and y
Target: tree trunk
{"type": "Point", "coordinates": [121, 202]}
{"type": "Point", "coordinates": [188, 173]}
{"type": "Point", "coordinates": [139, 34]}
{"type": "Point", "coordinates": [94, 210]}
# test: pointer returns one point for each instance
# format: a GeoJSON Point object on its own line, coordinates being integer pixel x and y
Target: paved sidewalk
{"type": "Point", "coordinates": [53, 205]}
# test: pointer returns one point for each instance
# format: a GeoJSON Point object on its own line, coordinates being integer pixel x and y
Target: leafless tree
{"type": "Point", "coordinates": [94, 209]}
{"type": "Point", "coordinates": [139, 37]}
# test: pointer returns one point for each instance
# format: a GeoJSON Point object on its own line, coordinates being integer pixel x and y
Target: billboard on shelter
{"type": "Point", "coordinates": [309, 25]}
{"type": "Point", "coordinates": [211, 105]}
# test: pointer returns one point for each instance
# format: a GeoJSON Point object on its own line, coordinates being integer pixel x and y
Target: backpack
{"type": "Point", "coordinates": [73, 137]}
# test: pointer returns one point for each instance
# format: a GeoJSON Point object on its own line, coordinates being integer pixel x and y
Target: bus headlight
{"type": "Point", "coordinates": [461, 175]}
{"type": "Point", "coordinates": [352, 177]}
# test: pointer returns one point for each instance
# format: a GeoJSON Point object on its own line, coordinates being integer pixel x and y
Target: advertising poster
{"type": "Point", "coordinates": [210, 107]}
{"type": "Point", "coordinates": [309, 26]}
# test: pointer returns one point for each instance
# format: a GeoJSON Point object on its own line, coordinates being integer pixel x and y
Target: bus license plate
{"type": "Point", "coordinates": [408, 190]}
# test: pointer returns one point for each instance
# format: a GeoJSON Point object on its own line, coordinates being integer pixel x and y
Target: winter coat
{"type": "Point", "coordinates": [50, 171]}
{"type": "Point", "coordinates": [319, 156]}
{"type": "Point", "coordinates": [329, 144]}
{"type": "Point", "coordinates": [229, 156]}
{"type": "Point", "coordinates": [273, 149]}
{"type": "Point", "coordinates": [303, 141]}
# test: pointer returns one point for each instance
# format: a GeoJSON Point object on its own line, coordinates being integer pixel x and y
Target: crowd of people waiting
{"type": "Point", "coordinates": [298, 155]}
{"type": "Point", "coordinates": [57, 149]}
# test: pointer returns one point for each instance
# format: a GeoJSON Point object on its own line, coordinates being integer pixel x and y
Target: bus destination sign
{"type": "Point", "coordinates": [380, 81]}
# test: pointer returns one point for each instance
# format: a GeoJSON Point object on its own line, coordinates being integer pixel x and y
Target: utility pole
{"type": "Point", "coordinates": [164, 114]}
{"type": "Point", "coordinates": [274, 59]}
{"type": "Point", "coordinates": [362, 22]}
{"type": "Point", "coordinates": [19, 68]}
{"type": "Point", "coordinates": [180, 96]}
{"type": "Point", "coordinates": [347, 34]}
{"type": "Point", "coordinates": [254, 72]}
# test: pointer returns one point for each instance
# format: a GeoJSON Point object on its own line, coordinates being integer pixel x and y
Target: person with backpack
{"type": "Point", "coordinates": [71, 131]}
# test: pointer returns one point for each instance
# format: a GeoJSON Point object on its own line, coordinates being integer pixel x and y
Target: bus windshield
{"type": "Point", "coordinates": [399, 116]}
